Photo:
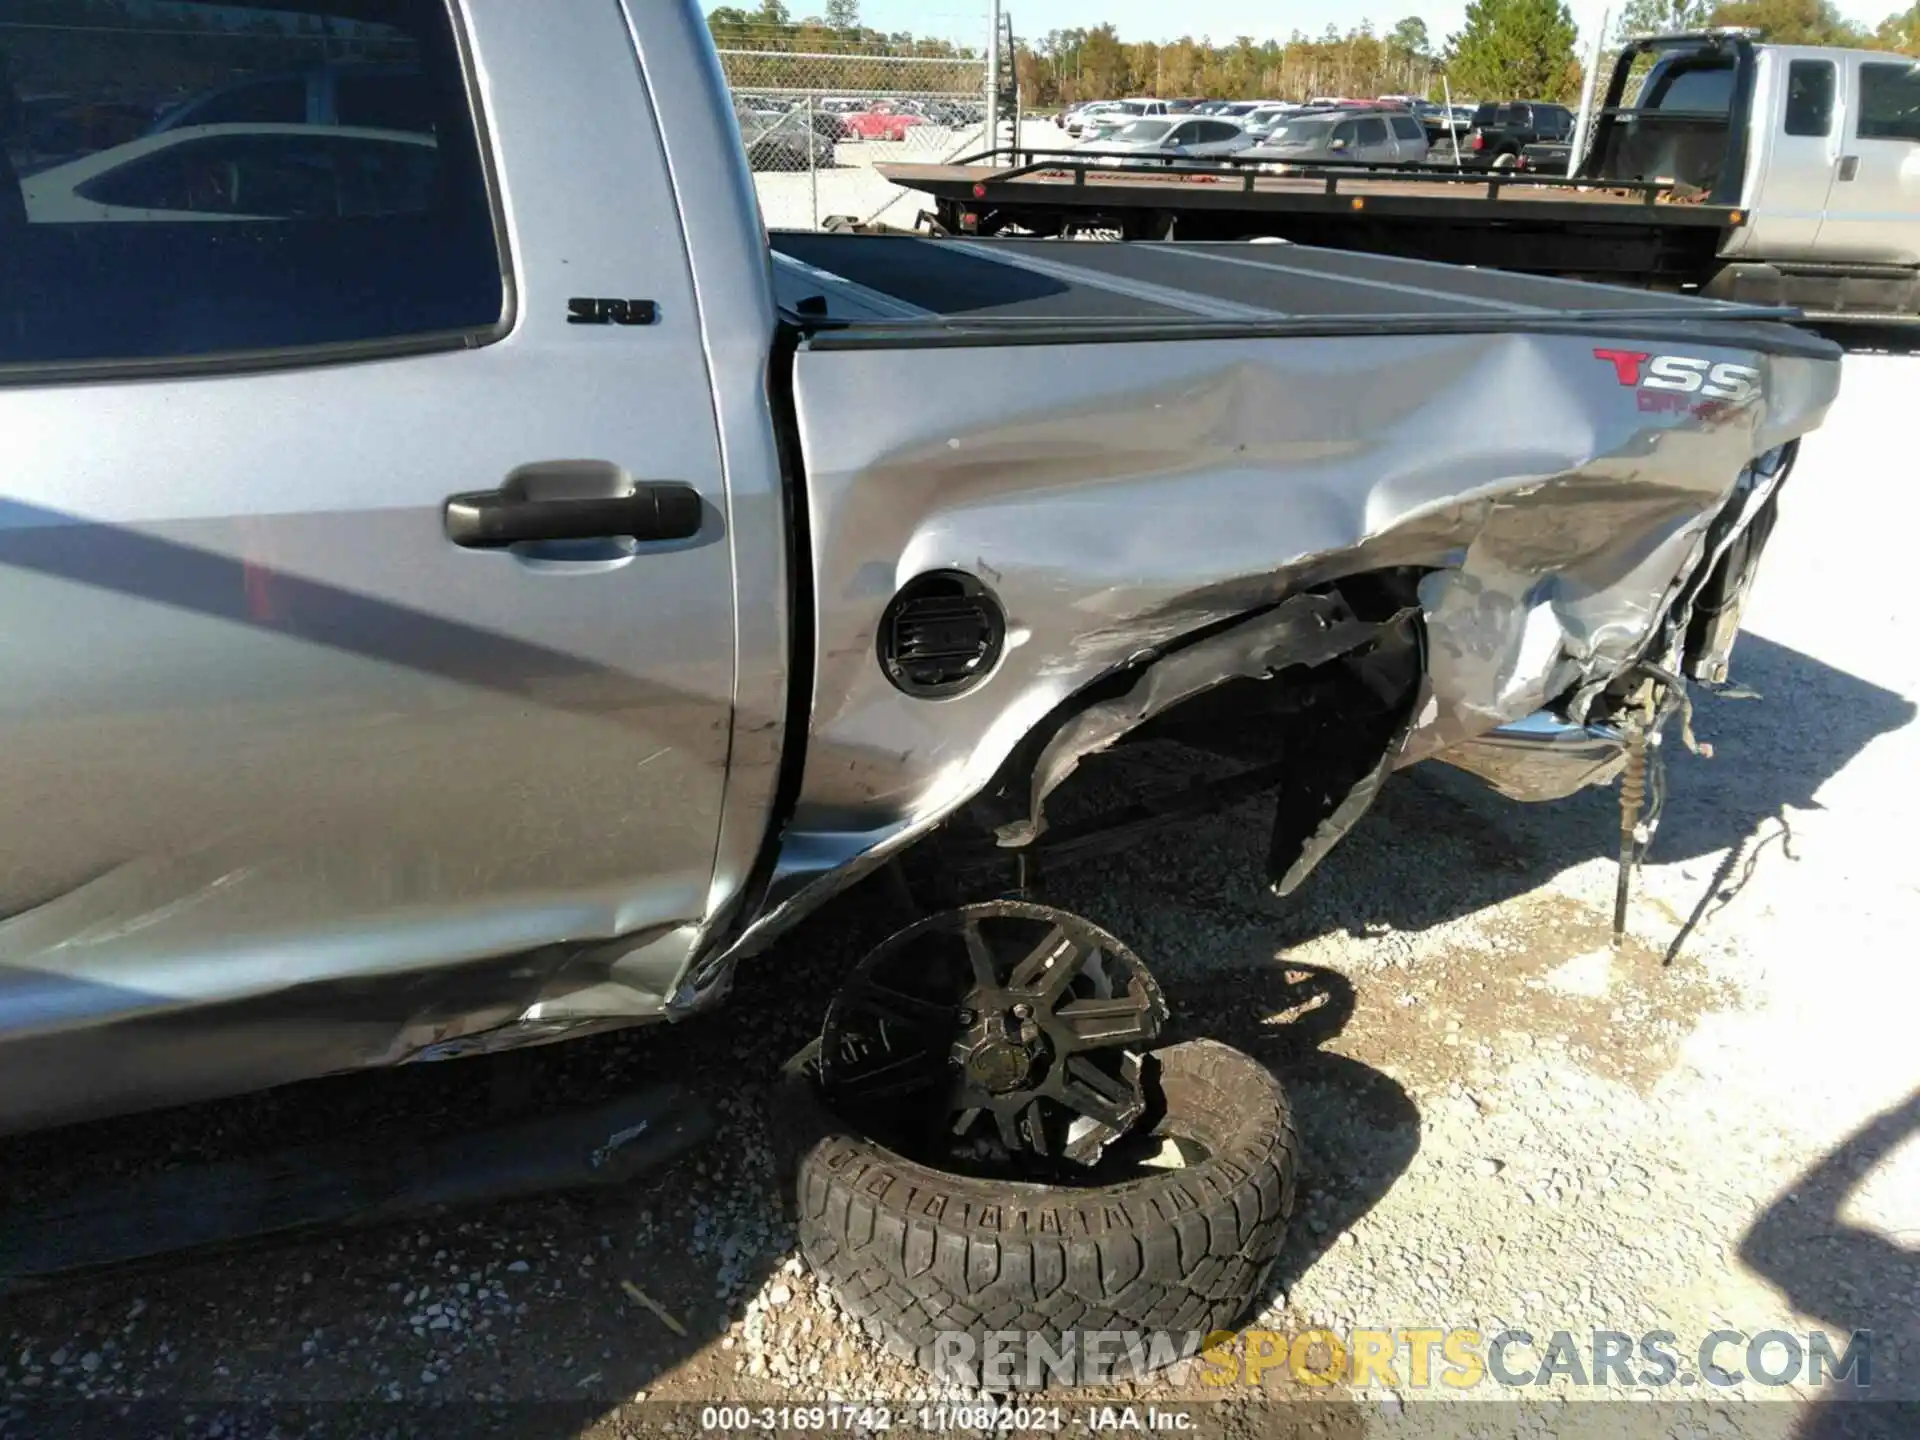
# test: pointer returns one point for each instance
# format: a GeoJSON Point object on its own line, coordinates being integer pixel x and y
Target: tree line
{"type": "Point", "coordinates": [1506, 49]}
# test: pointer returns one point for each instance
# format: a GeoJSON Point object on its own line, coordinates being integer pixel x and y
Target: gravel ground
{"type": "Point", "coordinates": [1506, 1126]}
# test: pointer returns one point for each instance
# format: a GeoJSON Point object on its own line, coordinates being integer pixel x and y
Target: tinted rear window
{"type": "Point", "coordinates": [240, 179]}
{"type": "Point", "coordinates": [1408, 128]}
{"type": "Point", "coordinates": [1707, 90]}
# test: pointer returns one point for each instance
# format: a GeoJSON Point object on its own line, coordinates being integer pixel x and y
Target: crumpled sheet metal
{"type": "Point", "coordinates": [1087, 486]}
{"type": "Point", "coordinates": [185, 958]}
{"type": "Point", "coordinates": [1304, 630]}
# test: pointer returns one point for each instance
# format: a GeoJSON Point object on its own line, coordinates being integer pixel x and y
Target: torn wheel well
{"type": "Point", "coordinates": [1308, 700]}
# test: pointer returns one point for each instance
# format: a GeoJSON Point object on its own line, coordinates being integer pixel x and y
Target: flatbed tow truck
{"type": "Point", "coordinates": [1719, 166]}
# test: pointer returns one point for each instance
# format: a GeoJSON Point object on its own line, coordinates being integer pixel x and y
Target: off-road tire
{"type": "Point", "coordinates": [915, 1252]}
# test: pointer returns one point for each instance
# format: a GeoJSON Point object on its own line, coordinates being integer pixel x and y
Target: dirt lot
{"type": "Point", "coordinates": [1506, 1127]}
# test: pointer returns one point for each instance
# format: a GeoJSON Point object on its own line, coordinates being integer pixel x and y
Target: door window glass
{"type": "Point", "coordinates": [1373, 131]}
{"type": "Point", "coordinates": [1889, 102]}
{"type": "Point", "coordinates": [1810, 85]}
{"type": "Point", "coordinates": [1407, 128]}
{"type": "Point", "coordinates": [203, 178]}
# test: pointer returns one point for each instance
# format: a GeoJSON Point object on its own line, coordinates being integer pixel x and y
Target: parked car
{"type": "Point", "coordinates": [1260, 123]}
{"type": "Point", "coordinates": [1102, 127]}
{"type": "Point", "coordinates": [828, 125]}
{"type": "Point", "coordinates": [1546, 157]}
{"type": "Point", "coordinates": [1500, 132]}
{"type": "Point", "coordinates": [1436, 120]}
{"type": "Point", "coordinates": [441, 630]}
{"type": "Point", "coordinates": [953, 114]}
{"type": "Point", "coordinates": [1394, 138]}
{"type": "Point", "coordinates": [783, 141]}
{"type": "Point", "coordinates": [1122, 110]}
{"type": "Point", "coordinates": [883, 121]}
{"type": "Point", "coordinates": [1171, 140]}
{"type": "Point", "coordinates": [1076, 120]}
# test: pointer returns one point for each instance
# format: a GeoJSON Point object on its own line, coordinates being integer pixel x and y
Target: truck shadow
{"type": "Point", "coordinates": [1440, 846]}
{"type": "Point", "coordinates": [1850, 1279]}
{"type": "Point", "coordinates": [1359, 1129]}
{"type": "Point", "coordinates": [1435, 820]}
{"type": "Point", "coordinates": [1873, 339]}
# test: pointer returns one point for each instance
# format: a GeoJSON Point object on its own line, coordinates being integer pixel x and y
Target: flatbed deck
{"type": "Point", "coordinates": [1639, 233]}
{"type": "Point", "coordinates": [1434, 193]}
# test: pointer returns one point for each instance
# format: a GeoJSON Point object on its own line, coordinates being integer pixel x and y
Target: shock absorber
{"type": "Point", "coordinates": [1643, 761]}
{"type": "Point", "coordinates": [1633, 803]}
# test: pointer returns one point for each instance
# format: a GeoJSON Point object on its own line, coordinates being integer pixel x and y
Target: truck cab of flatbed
{"type": "Point", "coordinates": [1817, 148]}
{"type": "Point", "coordinates": [1780, 175]}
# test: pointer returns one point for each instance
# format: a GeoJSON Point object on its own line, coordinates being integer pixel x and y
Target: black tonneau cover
{"type": "Point", "coordinates": [1053, 288]}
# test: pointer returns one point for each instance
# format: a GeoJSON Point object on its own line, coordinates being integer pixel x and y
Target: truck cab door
{"type": "Point", "coordinates": [1873, 208]}
{"type": "Point", "coordinates": [369, 602]}
{"type": "Point", "coordinates": [1801, 118]}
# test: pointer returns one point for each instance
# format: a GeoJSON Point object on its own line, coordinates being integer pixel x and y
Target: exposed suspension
{"type": "Point", "coordinates": [1643, 783]}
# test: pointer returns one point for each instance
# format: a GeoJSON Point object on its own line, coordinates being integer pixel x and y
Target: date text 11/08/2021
{"type": "Point", "coordinates": [940, 1419]}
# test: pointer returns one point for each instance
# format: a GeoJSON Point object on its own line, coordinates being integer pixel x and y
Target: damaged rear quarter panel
{"type": "Point", "coordinates": [1118, 497]}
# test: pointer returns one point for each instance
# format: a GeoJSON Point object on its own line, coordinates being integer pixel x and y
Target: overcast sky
{"type": "Point", "coordinates": [1220, 20]}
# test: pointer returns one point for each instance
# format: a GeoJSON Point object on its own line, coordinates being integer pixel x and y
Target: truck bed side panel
{"type": "Point", "coordinates": [1119, 497]}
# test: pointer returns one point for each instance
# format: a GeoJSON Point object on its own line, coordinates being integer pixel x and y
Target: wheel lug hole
{"type": "Point", "coordinates": [1023, 1012]}
{"type": "Point", "coordinates": [966, 1017]}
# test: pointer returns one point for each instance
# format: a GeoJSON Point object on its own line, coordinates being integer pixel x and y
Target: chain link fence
{"type": "Point", "coordinates": [814, 125]}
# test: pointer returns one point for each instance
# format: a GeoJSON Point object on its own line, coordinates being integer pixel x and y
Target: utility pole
{"type": "Point", "coordinates": [1013, 62]}
{"type": "Point", "coordinates": [1583, 125]}
{"type": "Point", "coordinates": [993, 80]}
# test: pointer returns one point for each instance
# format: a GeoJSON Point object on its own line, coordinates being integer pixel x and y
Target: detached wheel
{"type": "Point", "coordinates": [1174, 1230]}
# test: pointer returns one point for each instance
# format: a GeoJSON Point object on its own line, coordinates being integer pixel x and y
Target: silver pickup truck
{"type": "Point", "coordinates": [467, 585]}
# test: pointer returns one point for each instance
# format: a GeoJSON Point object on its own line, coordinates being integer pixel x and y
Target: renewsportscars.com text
{"type": "Point", "coordinates": [1409, 1359]}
